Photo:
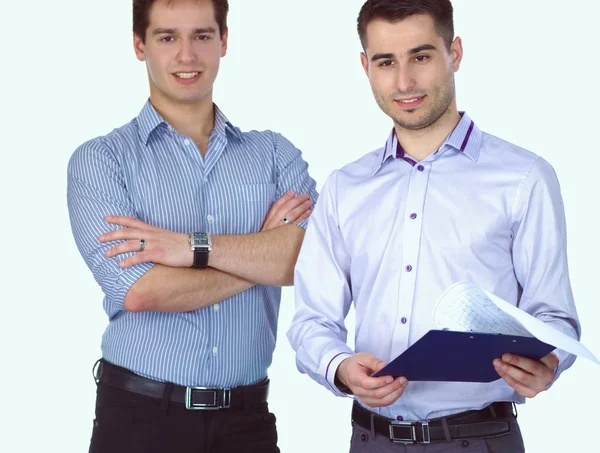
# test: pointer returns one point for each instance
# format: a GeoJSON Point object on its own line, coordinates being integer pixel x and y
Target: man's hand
{"type": "Point", "coordinates": [355, 373]}
{"type": "Point", "coordinates": [162, 246]}
{"type": "Point", "coordinates": [294, 208]}
{"type": "Point", "coordinates": [527, 376]}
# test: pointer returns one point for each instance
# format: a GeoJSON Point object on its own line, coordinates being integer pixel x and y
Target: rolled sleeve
{"type": "Point", "coordinates": [292, 172]}
{"type": "Point", "coordinates": [95, 189]}
{"type": "Point", "coordinates": [540, 255]}
{"type": "Point", "coordinates": [318, 333]}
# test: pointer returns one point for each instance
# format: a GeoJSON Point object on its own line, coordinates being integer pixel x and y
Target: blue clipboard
{"type": "Point", "coordinates": [449, 356]}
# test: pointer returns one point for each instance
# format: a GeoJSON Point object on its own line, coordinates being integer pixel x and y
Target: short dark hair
{"type": "Point", "coordinates": [141, 16]}
{"type": "Point", "coordinates": [441, 11]}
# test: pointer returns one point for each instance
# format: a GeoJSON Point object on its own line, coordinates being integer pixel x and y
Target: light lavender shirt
{"type": "Point", "coordinates": [391, 234]}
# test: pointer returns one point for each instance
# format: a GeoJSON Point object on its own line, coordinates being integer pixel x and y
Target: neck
{"type": "Point", "coordinates": [194, 120]}
{"type": "Point", "coordinates": [421, 143]}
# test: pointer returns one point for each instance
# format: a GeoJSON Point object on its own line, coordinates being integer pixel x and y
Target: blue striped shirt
{"type": "Point", "coordinates": [148, 170]}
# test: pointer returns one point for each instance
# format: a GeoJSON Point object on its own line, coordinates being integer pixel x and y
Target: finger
{"type": "Point", "coordinates": [389, 398]}
{"type": "Point", "coordinates": [289, 205]}
{"type": "Point", "coordinates": [388, 389]}
{"type": "Point", "coordinates": [520, 388]}
{"type": "Point", "coordinates": [138, 258]}
{"type": "Point", "coordinates": [530, 366]}
{"type": "Point", "coordinates": [551, 361]}
{"type": "Point", "coordinates": [518, 374]}
{"type": "Point", "coordinates": [123, 234]}
{"type": "Point", "coordinates": [279, 202]}
{"type": "Point", "coordinates": [127, 221]}
{"type": "Point", "coordinates": [295, 213]}
{"type": "Point", "coordinates": [304, 216]}
{"type": "Point", "coordinates": [365, 381]}
{"type": "Point", "coordinates": [124, 247]}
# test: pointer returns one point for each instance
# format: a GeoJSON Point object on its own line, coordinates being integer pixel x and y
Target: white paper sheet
{"type": "Point", "coordinates": [467, 307]}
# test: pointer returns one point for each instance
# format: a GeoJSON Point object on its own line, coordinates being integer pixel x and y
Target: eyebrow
{"type": "Point", "coordinates": [387, 56]}
{"type": "Point", "coordinates": [172, 31]}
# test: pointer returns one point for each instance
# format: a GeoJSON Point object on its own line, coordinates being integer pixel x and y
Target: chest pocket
{"type": "Point", "coordinates": [250, 204]}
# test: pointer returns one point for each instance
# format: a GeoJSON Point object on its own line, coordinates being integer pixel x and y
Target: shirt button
{"type": "Point", "coordinates": [409, 268]}
{"type": "Point", "coordinates": [205, 179]}
{"type": "Point", "coordinates": [209, 218]}
{"type": "Point", "coordinates": [400, 418]}
{"type": "Point", "coordinates": [413, 216]}
{"type": "Point", "coordinates": [215, 350]}
{"type": "Point", "coordinates": [216, 307]}
{"type": "Point", "coordinates": [186, 142]}
{"type": "Point", "coordinates": [404, 320]}
{"type": "Point", "coordinates": [420, 168]}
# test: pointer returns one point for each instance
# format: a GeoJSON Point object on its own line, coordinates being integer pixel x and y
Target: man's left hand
{"type": "Point", "coordinates": [527, 376]}
{"type": "Point", "coordinates": [162, 246]}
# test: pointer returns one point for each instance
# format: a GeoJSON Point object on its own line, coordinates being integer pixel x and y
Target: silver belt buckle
{"type": "Point", "coordinates": [403, 432]}
{"type": "Point", "coordinates": [214, 406]}
{"type": "Point", "coordinates": [406, 432]}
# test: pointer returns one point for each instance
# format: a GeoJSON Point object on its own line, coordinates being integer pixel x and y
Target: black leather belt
{"type": "Point", "coordinates": [194, 398]}
{"type": "Point", "coordinates": [491, 421]}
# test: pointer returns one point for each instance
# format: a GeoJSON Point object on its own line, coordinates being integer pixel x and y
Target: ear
{"type": "Point", "coordinates": [139, 47]}
{"type": "Point", "coordinates": [456, 53]}
{"type": "Point", "coordinates": [224, 40]}
{"type": "Point", "coordinates": [365, 63]}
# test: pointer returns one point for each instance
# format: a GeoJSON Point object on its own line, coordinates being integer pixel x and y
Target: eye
{"type": "Point", "coordinates": [167, 39]}
{"type": "Point", "coordinates": [202, 37]}
{"type": "Point", "coordinates": [421, 58]}
{"type": "Point", "coordinates": [386, 63]}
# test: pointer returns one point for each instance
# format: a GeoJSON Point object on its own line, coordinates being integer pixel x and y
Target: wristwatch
{"type": "Point", "coordinates": [200, 244]}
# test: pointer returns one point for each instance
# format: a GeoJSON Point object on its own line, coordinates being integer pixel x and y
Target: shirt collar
{"type": "Point", "coordinates": [466, 138]}
{"type": "Point", "coordinates": [149, 119]}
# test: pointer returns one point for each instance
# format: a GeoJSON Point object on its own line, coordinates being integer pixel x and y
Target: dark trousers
{"type": "Point", "coordinates": [130, 423]}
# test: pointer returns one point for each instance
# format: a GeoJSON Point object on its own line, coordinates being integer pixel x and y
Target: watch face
{"type": "Point", "coordinates": [198, 240]}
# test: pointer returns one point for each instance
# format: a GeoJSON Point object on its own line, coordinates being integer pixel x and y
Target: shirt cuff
{"type": "Point", "coordinates": [562, 358]}
{"type": "Point", "coordinates": [331, 369]}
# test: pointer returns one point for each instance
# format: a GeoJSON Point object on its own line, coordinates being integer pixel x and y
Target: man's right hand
{"type": "Point", "coordinates": [293, 208]}
{"type": "Point", "coordinates": [355, 373]}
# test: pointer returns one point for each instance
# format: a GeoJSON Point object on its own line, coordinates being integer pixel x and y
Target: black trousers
{"type": "Point", "coordinates": [130, 423]}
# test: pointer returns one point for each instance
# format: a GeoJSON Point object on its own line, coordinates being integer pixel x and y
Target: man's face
{"type": "Point", "coordinates": [182, 51]}
{"type": "Point", "coordinates": [411, 70]}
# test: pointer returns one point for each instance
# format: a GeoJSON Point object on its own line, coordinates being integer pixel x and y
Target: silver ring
{"type": "Point", "coordinates": [285, 220]}
{"type": "Point", "coordinates": [142, 245]}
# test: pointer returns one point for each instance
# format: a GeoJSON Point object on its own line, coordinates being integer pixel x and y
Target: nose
{"type": "Point", "coordinates": [405, 80]}
{"type": "Point", "coordinates": [186, 53]}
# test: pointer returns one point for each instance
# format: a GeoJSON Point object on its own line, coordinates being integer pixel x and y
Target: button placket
{"type": "Point", "coordinates": [411, 237]}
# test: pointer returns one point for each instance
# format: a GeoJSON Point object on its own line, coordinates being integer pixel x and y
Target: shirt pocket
{"type": "Point", "coordinates": [252, 203]}
{"type": "Point", "coordinates": [257, 192]}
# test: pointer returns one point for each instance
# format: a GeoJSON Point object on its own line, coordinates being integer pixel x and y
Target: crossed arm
{"type": "Point", "coordinates": [236, 262]}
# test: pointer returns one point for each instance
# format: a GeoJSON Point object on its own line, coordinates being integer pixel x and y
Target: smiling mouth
{"type": "Point", "coordinates": [186, 75]}
{"type": "Point", "coordinates": [411, 102]}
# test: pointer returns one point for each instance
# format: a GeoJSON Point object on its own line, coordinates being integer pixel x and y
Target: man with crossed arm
{"type": "Point", "coordinates": [213, 221]}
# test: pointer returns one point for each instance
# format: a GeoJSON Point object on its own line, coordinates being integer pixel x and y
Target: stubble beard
{"type": "Point", "coordinates": [444, 94]}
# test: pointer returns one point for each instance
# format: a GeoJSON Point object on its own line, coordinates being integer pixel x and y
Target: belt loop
{"type": "Point", "coordinates": [514, 406]}
{"type": "Point", "coordinates": [372, 420]}
{"type": "Point", "coordinates": [493, 411]}
{"type": "Point", "coordinates": [166, 397]}
{"type": "Point", "coordinates": [97, 370]}
{"type": "Point", "coordinates": [446, 430]}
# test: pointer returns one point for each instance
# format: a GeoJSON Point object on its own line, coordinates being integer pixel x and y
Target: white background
{"type": "Point", "coordinates": [69, 74]}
